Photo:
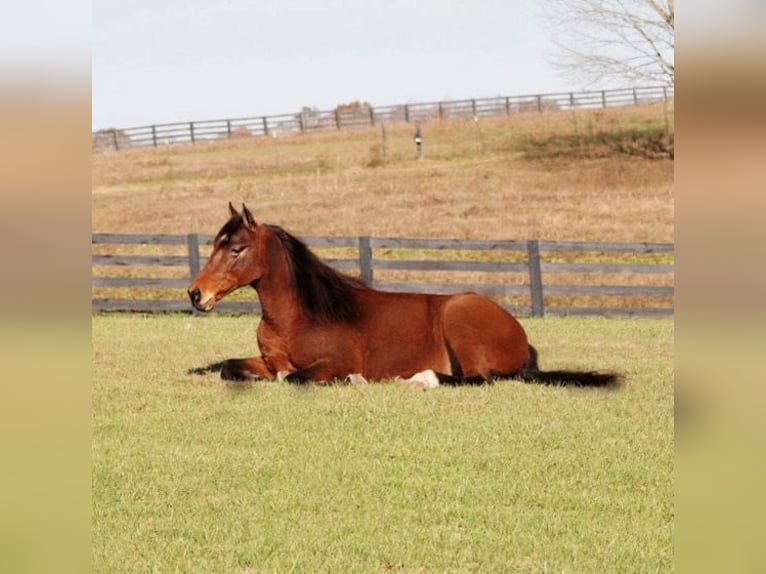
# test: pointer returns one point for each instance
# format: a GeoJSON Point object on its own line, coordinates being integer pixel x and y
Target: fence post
{"type": "Point", "coordinates": [154, 136]}
{"type": "Point", "coordinates": [192, 244]}
{"type": "Point", "coordinates": [372, 116]}
{"type": "Point", "coordinates": [473, 108]}
{"type": "Point", "coordinates": [228, 129]}
{"type": "Point", "coordinates": [383, 140]}
{"type": "Point", "coordinates": [571, 101]}
{"type": "Point", "coordinates": [603, 98]}
{"type": "Point", "coordinates": [365, 259]}
{"type": "Point", "coordinates": [114, 140]}
{"type": "Point", "coordinates": [539, 103]}
{"type": "Point", "coordinates": [337, 118]}
{"type": "Point", "coordinates": [265, 125]}
{"type": "Point", "coordinates": [535, 277]}
{"type": "Point", "coordinates": [191, 131]}
{"type": "Point", "coordinates": [635, 97]}
{"type": "Point", "coordinates": [406, 113]}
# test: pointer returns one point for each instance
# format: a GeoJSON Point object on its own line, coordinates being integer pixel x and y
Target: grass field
{"type": "Point", "coordinates": [191, 475]}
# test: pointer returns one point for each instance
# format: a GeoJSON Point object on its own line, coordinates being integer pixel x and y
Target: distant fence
{"type": "Point", "coordinates": [363, 115]}
{"type": "Point", "coordinates": [529, 278]}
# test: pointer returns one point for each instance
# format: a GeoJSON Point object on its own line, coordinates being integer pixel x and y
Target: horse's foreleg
{"type": "Point", "coordinates": [246, 369]}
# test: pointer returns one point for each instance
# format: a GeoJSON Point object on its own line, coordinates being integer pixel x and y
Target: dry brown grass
{"type": "Point", "coordinates": [474, 182]}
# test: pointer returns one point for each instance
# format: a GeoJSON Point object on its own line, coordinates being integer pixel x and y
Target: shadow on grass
{"type": "Point", "coordinates": [216, 368]}
{"type": "Point", "coordinates": [604, 381]}
{"type": "Point", "coordinates": [211, 368]}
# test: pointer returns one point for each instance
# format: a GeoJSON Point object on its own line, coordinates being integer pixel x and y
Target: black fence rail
{"type": "Point", "coordinates": [150, 273]}
{"type": "Point", "coordinates": [364, 115]}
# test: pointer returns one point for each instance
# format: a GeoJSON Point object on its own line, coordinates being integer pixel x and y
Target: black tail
{"type": "Point", "coordinates": [531, 373]}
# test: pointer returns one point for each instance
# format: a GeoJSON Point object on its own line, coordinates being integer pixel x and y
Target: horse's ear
{"type": "Point", "coordinates": [232, 211]}
{"type": "Point", "coordinates": [248, 217]}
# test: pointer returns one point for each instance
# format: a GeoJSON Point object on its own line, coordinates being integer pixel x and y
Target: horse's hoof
{"type": "Point", "coordinates": [425, 379]}
{"type": "Point", "coordinates": [231, 372]}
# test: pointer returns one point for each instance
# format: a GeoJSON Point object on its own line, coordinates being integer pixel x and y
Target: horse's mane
{"type": "Point", "coordinates": [324, 293]}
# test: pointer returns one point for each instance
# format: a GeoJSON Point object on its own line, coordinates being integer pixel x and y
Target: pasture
{"type": "Point", "coordinates": [551, 176]}
{"type": "Point", "coordinates": [190, 474]}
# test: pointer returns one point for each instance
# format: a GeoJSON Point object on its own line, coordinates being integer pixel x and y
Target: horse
{"type": "Point", "coordinates": [320, 325]}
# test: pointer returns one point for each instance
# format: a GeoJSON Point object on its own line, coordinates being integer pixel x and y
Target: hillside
{"type": "Point", "coordinates": [587, 175]}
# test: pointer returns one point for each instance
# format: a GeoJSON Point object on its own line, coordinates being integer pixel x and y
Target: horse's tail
{"type": "Point", "coordinates": [531, 373]}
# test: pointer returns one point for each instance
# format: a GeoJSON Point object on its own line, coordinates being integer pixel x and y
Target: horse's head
{"type": "Point", "coordinates": [234, 262]}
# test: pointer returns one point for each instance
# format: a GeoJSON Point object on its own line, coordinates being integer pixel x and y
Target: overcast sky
{"type": "Point", "coordinates": [156, 61]}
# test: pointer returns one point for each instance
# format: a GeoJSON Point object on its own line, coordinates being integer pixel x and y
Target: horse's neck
{"type": "Point", "coordinates": [278, 303]}
{"type": "Point", "coordinates": [277, 309]}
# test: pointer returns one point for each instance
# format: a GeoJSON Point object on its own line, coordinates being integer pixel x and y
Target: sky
{"type": "Point", "coordinates": [161, 61]}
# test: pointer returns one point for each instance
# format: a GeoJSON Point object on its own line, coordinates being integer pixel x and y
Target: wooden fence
{"type": "Point", "coordinates": [150, 273]}
{"type": "Point", "coordinates": [360, 116]}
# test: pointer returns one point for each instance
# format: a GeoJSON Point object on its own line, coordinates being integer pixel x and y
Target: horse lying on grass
{"type": "Point", "coordinates": [320, 325]}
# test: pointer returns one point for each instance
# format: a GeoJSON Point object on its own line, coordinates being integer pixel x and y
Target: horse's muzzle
{"type": "Point", "coordinates": [195, 295]}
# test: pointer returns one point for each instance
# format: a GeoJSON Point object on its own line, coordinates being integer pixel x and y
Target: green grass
{"type": "Point", "coordinates": [192, 475]}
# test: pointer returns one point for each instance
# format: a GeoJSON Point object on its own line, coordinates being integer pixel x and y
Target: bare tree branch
{"type": "Point", "coordinates": [621, 40]}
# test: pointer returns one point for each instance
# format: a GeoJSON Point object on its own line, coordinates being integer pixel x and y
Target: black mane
{"type": "Point", "coordinates": [324, 293]}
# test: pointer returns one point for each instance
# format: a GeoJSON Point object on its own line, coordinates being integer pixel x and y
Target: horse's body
{"type": "Point", "coordinates": [320, 325]}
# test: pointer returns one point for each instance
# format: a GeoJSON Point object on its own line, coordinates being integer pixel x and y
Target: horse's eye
{"type": "Point", "coordinates": [238, 250]}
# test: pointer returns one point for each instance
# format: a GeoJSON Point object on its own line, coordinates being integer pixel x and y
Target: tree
{"type": "Point", "coordinates": [607, 40]}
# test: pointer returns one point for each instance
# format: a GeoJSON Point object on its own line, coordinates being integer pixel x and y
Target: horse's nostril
{"type": "Point", "coordinates": [194, 295]}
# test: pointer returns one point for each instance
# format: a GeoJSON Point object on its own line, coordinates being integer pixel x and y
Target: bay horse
{"type": "Point", "coordinates": [321, 325]}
